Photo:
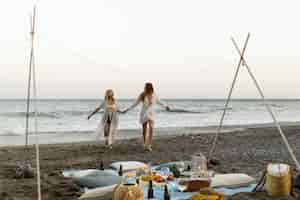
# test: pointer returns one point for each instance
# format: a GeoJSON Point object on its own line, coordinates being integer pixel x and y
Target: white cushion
{"type": "Point", "coordinates": [231, 180]}
{"type": "Point", "coordinates": [97, 180]}
{"type": "Point", "coordinates": [98, 192]}
{"type": "Point", "coordinates": [87, 172]}
{"type": "Point", "coordinates": [78, 173]}
{"type": "Point", "coordinates": [278, 169]}
{"type": "Point", "coordinates": [128, 165]}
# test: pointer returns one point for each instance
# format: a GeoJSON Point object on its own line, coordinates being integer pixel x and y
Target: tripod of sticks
{"type": "Point", "coordinates": [242, 62]}
{"type": "Point", "coordinates": [32, 85]}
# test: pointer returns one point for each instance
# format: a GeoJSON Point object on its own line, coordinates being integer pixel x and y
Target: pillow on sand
{"type": "Point", "coordinates": [102, 192]}
{"type": "Point", "coordinates": [231, 180]}
{"type": "Point", "coordinates": [87, 172]}
{"type": "Point", "coordinates": [128, 165]}
{"type": "Point", "coordinates": [178, 164]}
{"type": "Point", "coordinates": [97, 180]}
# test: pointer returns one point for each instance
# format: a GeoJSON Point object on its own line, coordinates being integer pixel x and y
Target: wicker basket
{"type": "Point", "coordinates": [128, 192]}
{"type": "Point", "coordinates": [278, 180]}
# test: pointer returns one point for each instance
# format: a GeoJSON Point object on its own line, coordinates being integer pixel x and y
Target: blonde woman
{"type": "Point", "coordinates": [149, 99]}
{"type": "Point", "coordinates": [110, 118]}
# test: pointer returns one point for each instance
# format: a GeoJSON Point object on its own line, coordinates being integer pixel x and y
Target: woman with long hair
{"type": "Point", "coordinates": [149, 99]}
{"type": "Point", "coordinates": [110, 118]}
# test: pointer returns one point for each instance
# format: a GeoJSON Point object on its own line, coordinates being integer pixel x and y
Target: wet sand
{"type": "Point", "coordinates": [245, 150]}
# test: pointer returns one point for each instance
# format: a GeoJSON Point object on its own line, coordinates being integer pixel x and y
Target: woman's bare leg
{"type": "Point", "coordinates": [151, 128]}
{"type": "Point", "coordinates": [144, 133]}
{"type": "Point", "coordinates": [106, 133]}
{"type": "Point", "coordinates": [112, 136]}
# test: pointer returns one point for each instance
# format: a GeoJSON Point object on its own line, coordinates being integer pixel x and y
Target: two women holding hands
{"type": "Point", "coordinates": [109, 122]}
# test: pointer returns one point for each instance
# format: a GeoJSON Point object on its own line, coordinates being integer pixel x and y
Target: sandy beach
{"type": "Point", "coordinates": [246, 150]}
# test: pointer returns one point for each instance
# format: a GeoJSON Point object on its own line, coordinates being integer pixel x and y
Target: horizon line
{"type": "Point", "coordinates": [203, 99]}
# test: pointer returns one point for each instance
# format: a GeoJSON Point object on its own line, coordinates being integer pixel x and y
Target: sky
{"type": "Point", "coordinates": [86, 46]}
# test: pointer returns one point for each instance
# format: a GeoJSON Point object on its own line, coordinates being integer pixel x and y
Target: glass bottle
{"type": "Point", "coordinates": [150, 190]}
{"type": "Point", "coordinates": [166, 193]}
{"type": "Point", "coordinates": [121, 170]}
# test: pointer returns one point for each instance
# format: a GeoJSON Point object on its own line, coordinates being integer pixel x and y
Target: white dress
{"type": "Point", "coordinates": [108, 116]}
{"type": "Point", "coordinates": [148, 108]}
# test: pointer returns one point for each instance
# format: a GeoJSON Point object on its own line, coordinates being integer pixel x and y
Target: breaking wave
{"type": "Point", "coordinates": [52, 115]}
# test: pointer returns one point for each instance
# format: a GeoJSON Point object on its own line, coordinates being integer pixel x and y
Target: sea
{"type": "Point", "coordinates": [67, 116]}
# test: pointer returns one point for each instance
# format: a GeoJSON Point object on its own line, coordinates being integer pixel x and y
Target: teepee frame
{"type": "Point", "coordinates": [32, 85]}
{"type": "Point", "coordinates": [243, 62]}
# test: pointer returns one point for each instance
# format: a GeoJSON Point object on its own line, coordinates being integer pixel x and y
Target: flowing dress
{"type": "Point", "coordinates": [148, 108]}
{"type": "Point", "coordinates": [108, 117]}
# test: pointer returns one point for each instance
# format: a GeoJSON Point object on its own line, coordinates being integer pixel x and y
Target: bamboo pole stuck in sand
{"type": "Point", "coordinates": [269, 109]}
{"type": "Point", "coordinates": [29, 81]}
{"type": "Point", "coordinates": [32, 77]}
{"type": "Point", "coordinates": [228, 100]}
{"type": "Point", "coordinates": [35, 108]}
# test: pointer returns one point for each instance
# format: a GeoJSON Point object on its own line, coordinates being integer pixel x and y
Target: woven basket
{"type": "Point", "coordinates": [128, 192]}
{"type": "Point", "coordinates": [208, 194]}
{"type": "Point", "coordinates": [280, 184]}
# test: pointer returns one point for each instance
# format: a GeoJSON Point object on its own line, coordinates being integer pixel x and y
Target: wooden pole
{"type": "Point", "coordinates": [32, 77]}
{"type": "Point", "coordinates": [29, 80]}
{"type": "Point", "coordinates": [269, 109]}
{"type": "Point", "coordinates": [227, 100]}
{"type": "Point", "coordinates": [35, 107]}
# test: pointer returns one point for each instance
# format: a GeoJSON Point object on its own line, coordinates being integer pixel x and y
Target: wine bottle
{"type": "Point", "coordinates": [101, 165]}
{"type": "Point", "coordinates": [189, 168]}
{"type": "Point", "coordinates": [121, 170]}
{"type": "Point", "coordinates": [166, 193]}
{"type": "Point", "coordinates": [150, 190]}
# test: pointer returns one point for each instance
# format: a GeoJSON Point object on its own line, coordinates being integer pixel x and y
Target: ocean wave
{"type": "Point", "coordinates": [62, 114]}
{"type": "Point", "coordinates": [185, 111]}
{"type": "Point", "coordinates": [51, 115]}
{"type": "Point", "coordinates": [31, 114]}
{"type": "Point", "coordinates": [77, 113]}
{"type": "Point", "coordinates": [190, 111]}
{"type": "Point", "coordinates": [273, 105]}
{"type": "Point", "coordinates": [12, 133]}
{"type": "Point", "coordinates": [73, 112]}
{"type": "Point", "coordinates": [9, 133]}
{"type": "Point", "coordinates": [229, 108]}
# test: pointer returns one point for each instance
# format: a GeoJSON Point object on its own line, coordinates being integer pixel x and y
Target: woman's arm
{"type": "Point", "coordinates": [96, 110]}
{"type": "Point", "coordinates": [118, 109]}
{"type": "Point", "coordinates": [137, 101]}
{"type": "Point", "coordinates": [159, 102]}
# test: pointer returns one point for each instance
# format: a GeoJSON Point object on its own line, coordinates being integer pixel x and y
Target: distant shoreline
{"type": "Point", "coordinates": [125, 134]}
{"type": "Point", "coordinates": [170, 99]}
